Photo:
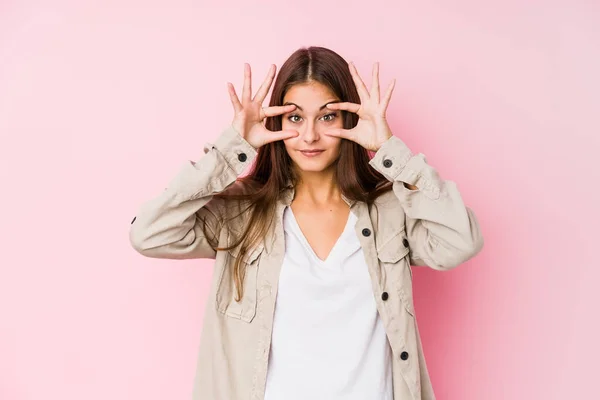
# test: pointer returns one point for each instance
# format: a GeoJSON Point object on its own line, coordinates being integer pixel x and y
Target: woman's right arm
{"type": "Point", "coordinates": [171, 224]}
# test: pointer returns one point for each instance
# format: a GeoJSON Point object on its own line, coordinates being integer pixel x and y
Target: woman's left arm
{"type": "Point", "coordinates": [442, 231]}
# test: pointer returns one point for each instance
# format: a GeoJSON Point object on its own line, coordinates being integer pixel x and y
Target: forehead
{"type": "Point", "coordinates": [309, 96]}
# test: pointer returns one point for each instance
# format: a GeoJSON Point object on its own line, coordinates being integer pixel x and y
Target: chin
{"type": "Point", "coordinates": [314, 166]}
{"type": "Point", "coordinates": [311, 169]}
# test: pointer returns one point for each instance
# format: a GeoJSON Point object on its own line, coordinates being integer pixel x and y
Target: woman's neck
{"type": "Point", "coordinates": [317, 188]}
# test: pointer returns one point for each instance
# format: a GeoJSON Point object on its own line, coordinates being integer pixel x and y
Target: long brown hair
{"type": "Point", "coordinates": [273, 167]}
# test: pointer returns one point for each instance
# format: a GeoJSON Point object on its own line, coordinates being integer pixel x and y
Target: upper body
{"type": "Point", "coordinates": [418, 219]}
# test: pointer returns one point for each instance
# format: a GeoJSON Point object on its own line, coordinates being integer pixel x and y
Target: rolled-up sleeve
{"type": "Point", "coordinates": [170, 225]}
{"type": "Point", "coordinates": [442, 231]}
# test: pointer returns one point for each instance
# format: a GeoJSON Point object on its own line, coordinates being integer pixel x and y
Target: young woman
{"type": "Point", "coordinates": [312, 290]}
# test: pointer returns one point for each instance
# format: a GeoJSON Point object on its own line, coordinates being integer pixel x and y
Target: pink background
{"type": "Point", "coordinates": [101, 102]}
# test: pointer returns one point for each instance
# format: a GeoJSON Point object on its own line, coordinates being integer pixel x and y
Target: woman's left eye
{"type": "Point", "coordinates": [329, 117]}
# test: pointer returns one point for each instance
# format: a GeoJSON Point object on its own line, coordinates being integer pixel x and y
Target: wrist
{"type": "Point", "coordinates": [383, 142]}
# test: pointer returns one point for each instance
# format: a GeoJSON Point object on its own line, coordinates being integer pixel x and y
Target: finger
{"type": "Point", "coordinates": [388, 94]}
{"type": "Point", "coordinates": [375, 82]}
{"type": "Point", "coordinates": [266, 85]}
{"type": "Point", "coordinates": [247, 92]}
{"type": "Point", "coordinates": [341, 133]}
{"type": "Point", "coordinates": [278, 110]}
{"type": "Point", "coordinates": [237, 106]}
{"type": "Point", "coordinates": [281, 135]}
{"type": "Point", "coordinates": [352, 107]}
{"type": "Point", "coordinates": [363, 93]}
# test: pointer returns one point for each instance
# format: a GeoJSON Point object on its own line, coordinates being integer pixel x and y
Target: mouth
{"type": "Point", "coordinates": [311, 153]}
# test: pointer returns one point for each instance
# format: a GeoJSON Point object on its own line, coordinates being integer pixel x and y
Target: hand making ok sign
{"type": "Point", "coordinates": [249, 112]}
{"type": "Point", "coordinates": [372, 129]}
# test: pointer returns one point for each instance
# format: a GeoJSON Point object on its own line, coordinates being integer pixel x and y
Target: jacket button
{"type": "Point", "coordinates": [366, 232]}
{"type": "Point", "coordinates": [384, 296]}
{"type": "Point", "coordinates": [405, 242]}
{"type": "Point", "coordinates": [387, 163]}
{"type": "Point", "coordinates": [404, 355]}
{"type": "Point", "coordinates": [242, 157]}
{"type": "Point", "coordinates": [133, 220]}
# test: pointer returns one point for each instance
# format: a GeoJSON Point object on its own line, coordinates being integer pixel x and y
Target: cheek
{"type": "Point", "coordinates": [289, 144]}
{"type": "Point", "coordinates": [333, 142]}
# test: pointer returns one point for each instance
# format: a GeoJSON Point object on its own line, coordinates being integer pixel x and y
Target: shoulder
{"type": "Point", "coordinates": [387, 214]}
{"type": "Point", "coordinates": [387, 201]}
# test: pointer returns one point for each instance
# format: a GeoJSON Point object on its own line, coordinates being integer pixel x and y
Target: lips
{"type": "Point", "coordinates": [311, 153]}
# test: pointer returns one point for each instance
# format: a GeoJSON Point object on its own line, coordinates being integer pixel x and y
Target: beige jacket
{"type": "Point", "coordinates": [430, 226]}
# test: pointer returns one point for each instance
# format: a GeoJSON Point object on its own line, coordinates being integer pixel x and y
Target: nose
{"type": "Point", "coordinates": [310, 133]}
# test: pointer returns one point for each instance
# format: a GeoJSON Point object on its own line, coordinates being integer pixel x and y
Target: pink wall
{"type": "Point", "coordinates": [101, 102]}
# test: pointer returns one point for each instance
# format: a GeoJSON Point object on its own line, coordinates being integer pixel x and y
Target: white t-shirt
{"type": "Point", "coordinates": [328, 341]}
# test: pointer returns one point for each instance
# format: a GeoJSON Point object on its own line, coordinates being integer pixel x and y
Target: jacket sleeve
{"type": "Point", "coordinates": [442, 232]}
{"type": "Point", "coordinates": [170, 224]}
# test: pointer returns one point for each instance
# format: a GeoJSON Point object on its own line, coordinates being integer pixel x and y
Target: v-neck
{"type": "Point", "coordinates": [307, 245]}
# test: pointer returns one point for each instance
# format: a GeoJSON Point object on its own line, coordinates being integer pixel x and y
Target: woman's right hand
{"type": "Point", "coordinates": [249, 113]}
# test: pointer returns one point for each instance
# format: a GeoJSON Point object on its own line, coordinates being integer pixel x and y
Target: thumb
{"type": "Point", "coordinates": [341, 133]}
{"type": "Point", "coordinates": [281, 135]}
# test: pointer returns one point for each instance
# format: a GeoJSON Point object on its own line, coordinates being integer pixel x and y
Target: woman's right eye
{"type": "Point", "coordinates": [291, 118]}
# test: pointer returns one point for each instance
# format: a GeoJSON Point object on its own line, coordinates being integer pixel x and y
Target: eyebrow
{"type": "Point", "coordinates": [320, 108]}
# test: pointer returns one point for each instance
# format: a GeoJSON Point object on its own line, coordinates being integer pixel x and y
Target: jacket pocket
{"type": "Point", "coordinates": [393, 255]}
{"type": "Point", "coordinates": [226, 303]}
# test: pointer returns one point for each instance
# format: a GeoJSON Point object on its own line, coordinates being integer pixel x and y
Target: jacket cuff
{"type": "Point", "coordinates": [391, 159]}
{"type": "Point", "coordinates": [397, 163]}
{"type": "Point", "coordinates": [234, 148]}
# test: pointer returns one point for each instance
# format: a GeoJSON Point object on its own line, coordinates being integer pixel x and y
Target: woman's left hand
{"type": "Point", "coordinates": [372, 129]}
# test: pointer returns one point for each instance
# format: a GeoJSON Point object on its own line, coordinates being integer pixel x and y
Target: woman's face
{"type": "Point", "coordinates": [312, 150]}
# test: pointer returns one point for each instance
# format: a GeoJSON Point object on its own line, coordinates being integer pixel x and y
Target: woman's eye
{"type": "Point", "coordinates": [329, 117]}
